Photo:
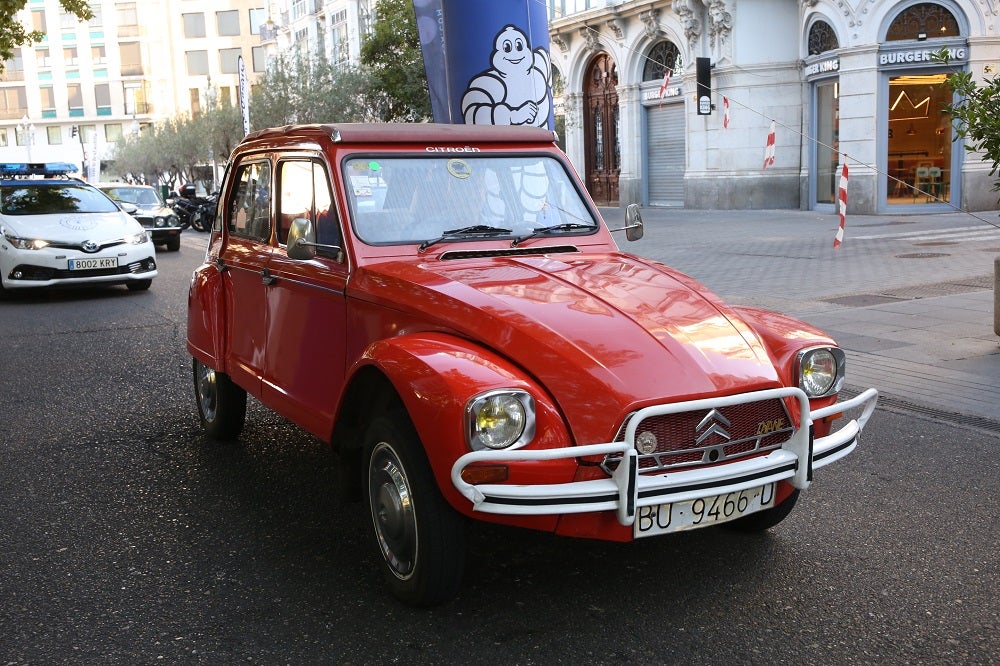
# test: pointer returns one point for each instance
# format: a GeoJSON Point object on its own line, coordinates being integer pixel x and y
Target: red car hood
{"type": "Point", "coordinates": [604, 333]}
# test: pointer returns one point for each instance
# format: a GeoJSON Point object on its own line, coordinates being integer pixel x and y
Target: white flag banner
{"type": "Point", "coordinates": [244, 96]}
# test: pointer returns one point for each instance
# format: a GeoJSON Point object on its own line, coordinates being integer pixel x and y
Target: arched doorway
{"type": "Point", "coordinates": [601, 122]}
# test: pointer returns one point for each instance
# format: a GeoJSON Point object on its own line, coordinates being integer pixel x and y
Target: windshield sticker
{"type": "Point", "coordinates": [459, 168]}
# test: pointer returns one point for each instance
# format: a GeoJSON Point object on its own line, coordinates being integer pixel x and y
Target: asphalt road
{"type": "Point", "coordinates": [128, 538]}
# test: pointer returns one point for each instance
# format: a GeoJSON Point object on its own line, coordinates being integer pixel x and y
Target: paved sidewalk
{"type": "Point", "coordinates": [909, 297]}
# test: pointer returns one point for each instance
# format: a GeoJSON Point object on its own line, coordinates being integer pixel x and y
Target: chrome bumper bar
{"type": "Point", "coordinates": [627, 490]}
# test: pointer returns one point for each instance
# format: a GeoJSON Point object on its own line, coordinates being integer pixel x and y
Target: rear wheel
{"type": "Point", "coordinates": [222, 405]}
{"type": "Point", "coordinates": [766, 519]}
{"type": "Point", "coordinates": [420, 537]}
{"type": "Point", "coordinates": [197, 221]}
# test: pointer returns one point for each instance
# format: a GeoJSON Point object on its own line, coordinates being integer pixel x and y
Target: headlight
{"type": "Point", "coordinates": [500, 420]}
{"type": "Point", "coordinates": [137, 239]}
{"type": "Point", "coordinates": [172, 220]}
{"type": "Point", "coordinates": [25, 243]}
{"type": "Point", "coordinates": [821, 371]}
{"type": "Point", "coordinates": [159, 221]}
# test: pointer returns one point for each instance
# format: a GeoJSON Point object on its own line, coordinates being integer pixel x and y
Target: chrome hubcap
{"type": "Point", "coordinates": [392, 511]}
{"type": "Point", "coordinates": [207, 391]}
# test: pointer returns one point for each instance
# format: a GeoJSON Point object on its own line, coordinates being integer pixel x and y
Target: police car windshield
{"type": "Point", "coordinates": [51, 198]}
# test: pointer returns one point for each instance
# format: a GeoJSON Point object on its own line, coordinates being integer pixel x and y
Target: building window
{"type": "Point", "coordinates": [38, 21]}
{"type": "Point", "coordinates": [822, 38]}
{"type": "Point", "coordinates": [54, 135]}
{"type": "Point", "coordinates": [74, 98]}
{"type": "Point", "coordinates": [68, 21]}
{"type": "Point", "coordinates": [13, 103]}
{"type": "Point", "coordinates": [128, 19]}
{"type": "Point", "coordinates": [98, 54]}
{"type": "Point", "coordinates": [341, 45]}
{"type": "Point", "coordinates": [259, 59]}
{"type": "Point", "coordinates": [70, 56]}
{"type": "Point", "coordinates": [921, 21]}
{"type": "Point", "coordinates": [102, 98]}
{"type": "Point", "coordinates": [194, 25]}
{"type": "Point", "coordinates": [98, 19]}
{"type": "Point", "coordinates": [131, 58]}
{"type": "Point", "coordinates": [14, 68]}
{"type": "Point", "coordinates": [225, 97]}
{"type": "Point", "coordinates": [3, 137]}
{"type": "Point", "coordinates": [257, 18]}
{"type": "Point", "coordinates": [42, 58]}
{"type": "Point", "coordinates": [228, 23]}
{"type": "Point", "coordinates": [663, 56]}
{"type": "Point", "coordinates": [87, 133]}
{"type": "Point", "coordinates": [48, 99]}
{"type": "Point", "coordinates": [112, 132]}
{"type": "Point", "coordinates": [195, 96]}
{"type": "Point", "coordinates": [229, 60]}
{"type": "Point", "coordinates": [298, 9]}
{"type": "Point", "coordinates": [135, 98]}
{"type": "Point", "coordinates": [197, 62]}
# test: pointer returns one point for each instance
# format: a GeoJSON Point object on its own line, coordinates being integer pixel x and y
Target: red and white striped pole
{"type": "Point", "coordinates": [841, 205]}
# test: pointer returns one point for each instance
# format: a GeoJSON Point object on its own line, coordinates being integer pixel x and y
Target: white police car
{"type": "Point", "coordinates": [59, 231]}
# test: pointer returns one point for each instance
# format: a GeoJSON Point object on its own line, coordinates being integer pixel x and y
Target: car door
{"type": "Point", "coordinates": [306, 306]}
{"type": "Point", "coordinates": [244, 259]}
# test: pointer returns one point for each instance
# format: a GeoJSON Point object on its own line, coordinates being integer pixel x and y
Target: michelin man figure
{"type": "Point", "coordinates": [515, 90]}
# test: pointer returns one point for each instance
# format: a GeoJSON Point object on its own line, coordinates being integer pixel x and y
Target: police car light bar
{"type": "Point", "coordinates": [36, 169]}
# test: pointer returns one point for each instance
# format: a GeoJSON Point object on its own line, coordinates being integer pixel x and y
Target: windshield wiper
{"type": "Point", "coordinates": [474, 230]}
{"type": "Point", "coordinates": [545, 231]}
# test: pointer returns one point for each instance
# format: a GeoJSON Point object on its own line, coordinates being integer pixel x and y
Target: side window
{"type": "Point", "coordinates": [306, 193]}
{"type": "Point", "coordinates": [250, 205]}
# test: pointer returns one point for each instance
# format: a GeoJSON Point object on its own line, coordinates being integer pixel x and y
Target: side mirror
{"type": "Point", "coordinates": [301, 243]}
{"type": "Point", "coordinates": [129, 208]}
{"type": "Point", "coordinates": [301, 239]}
{"type": "Point", "coordinates": [633, 222]}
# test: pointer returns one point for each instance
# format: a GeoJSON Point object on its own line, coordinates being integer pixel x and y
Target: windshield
{"type": "Point", "coordinates": [140, 196]}
{"type": "Point", "coordinates": [48, 198]}
{"type": "Point", "coordinates": [397, 200]}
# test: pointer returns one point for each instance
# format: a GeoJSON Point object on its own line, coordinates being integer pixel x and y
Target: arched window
{"type": "Point", "coordinates": [822, 38]}
{"type": "Point", "coordinates": [663, 56]}
{"type": "Point", "coordinates": [922, 21]}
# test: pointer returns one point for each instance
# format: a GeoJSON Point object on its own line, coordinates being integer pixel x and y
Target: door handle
{"type": "Point", "coordinates": [267, 278]}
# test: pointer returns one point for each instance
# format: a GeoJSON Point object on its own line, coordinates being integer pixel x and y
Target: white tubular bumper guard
{"type": "Point", "coordinates": [627, 490]}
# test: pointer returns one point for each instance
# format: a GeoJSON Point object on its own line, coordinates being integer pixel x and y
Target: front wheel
{"type": "Point", "coordinates": [222, 405]}
{"type": "Point", "coordinates": [197, 221]}
{"type": "Point", "coordinates": [420, 537]}
{"type": "Point", "coordinates": [766, 519]}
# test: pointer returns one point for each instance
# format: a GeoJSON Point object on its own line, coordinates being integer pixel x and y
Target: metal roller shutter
{"type": "Point", "coordinates": [665, 154]}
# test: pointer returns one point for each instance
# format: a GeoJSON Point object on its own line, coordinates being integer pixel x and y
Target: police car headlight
{"type": "Point", "coordinates": [500, 420]}
{"type": "Point", "coordinates": [821, 371]}
{"type": "Point", "coordinates": [25, 243]}
{"type": "Point", "coordinates": [137, 239]}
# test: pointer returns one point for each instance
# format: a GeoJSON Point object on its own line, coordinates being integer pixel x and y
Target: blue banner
{"type": "Point", "coordinates": [487, 63]}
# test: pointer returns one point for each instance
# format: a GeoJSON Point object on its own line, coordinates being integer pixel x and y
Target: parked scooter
{"type": "Point", "coordinates": [198, 212]}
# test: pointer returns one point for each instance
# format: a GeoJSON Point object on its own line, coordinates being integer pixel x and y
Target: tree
{"type": "Point", "coordinates": [13, 33]}
{"type": "Point", "coordinates": [393, 53]}
{"type": "Point", "coordinates": [975, 114]}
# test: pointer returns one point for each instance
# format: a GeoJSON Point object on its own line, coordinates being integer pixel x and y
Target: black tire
{"type": "Point", "coordinates": [197, 221]}
{"type": "Point", "coordinates": [766, 519]}
{"type": "Point", "coordinates": [222, 405]}
{"type": "Point", "coordinates": [139, 285]}
{"type": "Point", "coordinates": [420, 538]}
{"type": "Point", "coordinates": [173, 243]}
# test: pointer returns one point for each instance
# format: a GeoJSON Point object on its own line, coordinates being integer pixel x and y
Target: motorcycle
{"type": "Point", "coordinates": [194, 211]}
